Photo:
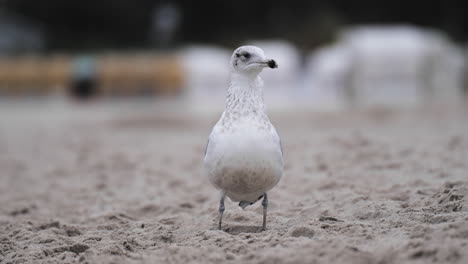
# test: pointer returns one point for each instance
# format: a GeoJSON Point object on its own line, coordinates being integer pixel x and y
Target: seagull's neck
{"type": "Point", "coordinates": [245, 94]}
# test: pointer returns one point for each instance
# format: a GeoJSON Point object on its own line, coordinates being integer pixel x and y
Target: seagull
{"type": "Point", "coordinates": [244, 157]}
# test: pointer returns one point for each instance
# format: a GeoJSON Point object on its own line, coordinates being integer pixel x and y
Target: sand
{"type": "Point", "coordinates": [94, 183]}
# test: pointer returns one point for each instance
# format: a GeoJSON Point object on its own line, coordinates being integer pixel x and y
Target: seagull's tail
{"type": "Point", "coordinates": [244, 204]}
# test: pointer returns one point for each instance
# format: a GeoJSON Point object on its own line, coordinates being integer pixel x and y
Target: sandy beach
{"type": "Point", "coordinates": [121, 184]}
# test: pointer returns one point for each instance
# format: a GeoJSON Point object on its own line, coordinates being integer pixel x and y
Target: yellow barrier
{"type": "Point", "coordinates": [114, 74]}
{"type": "Point", "coordinates": [134, 74]}
{"type": "Point", "coordinates": [33, 74]}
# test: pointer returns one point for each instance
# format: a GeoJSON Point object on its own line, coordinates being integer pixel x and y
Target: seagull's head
{"type": "Point", "coordinates": [250, 60]}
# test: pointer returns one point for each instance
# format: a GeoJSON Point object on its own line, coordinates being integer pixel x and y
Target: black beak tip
{"type": "Point", "coordinates": [272, 64]}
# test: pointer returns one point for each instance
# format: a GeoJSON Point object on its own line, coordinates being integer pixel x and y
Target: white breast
{"type": "Point", "coordinates": [244, 162]}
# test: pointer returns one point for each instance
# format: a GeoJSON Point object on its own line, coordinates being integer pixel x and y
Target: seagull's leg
{"type": "Point", "coordinates": [265, 206]}
{"type": "Point", "coordinates": [221, 210]}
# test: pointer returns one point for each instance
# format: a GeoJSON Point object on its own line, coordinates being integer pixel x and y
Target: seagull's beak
{"type": "Point", "coordinates": [272, 64]}
{"type": "Point", "coordinates": [269, 63]}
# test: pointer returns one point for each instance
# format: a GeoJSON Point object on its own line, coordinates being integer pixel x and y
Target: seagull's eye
{"type": "Point", "coordinates": [247, 55]}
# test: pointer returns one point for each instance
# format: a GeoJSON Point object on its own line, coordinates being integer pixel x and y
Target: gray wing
{"type": "Point", "coordinates": [281, 146]}
{"type": "Point", "coordinates": [207, 143]}
{"type": "Point", "coordinates": [276, 132]}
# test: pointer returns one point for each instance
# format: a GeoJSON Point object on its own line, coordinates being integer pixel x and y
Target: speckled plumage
{"type": "Point", "coordinates": [244, 157]}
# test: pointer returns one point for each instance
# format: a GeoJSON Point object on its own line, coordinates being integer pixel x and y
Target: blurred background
{"type": "Point", "coordinates": [331, 54]}
{"type": "Point", "coordinates": [106, 107]}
